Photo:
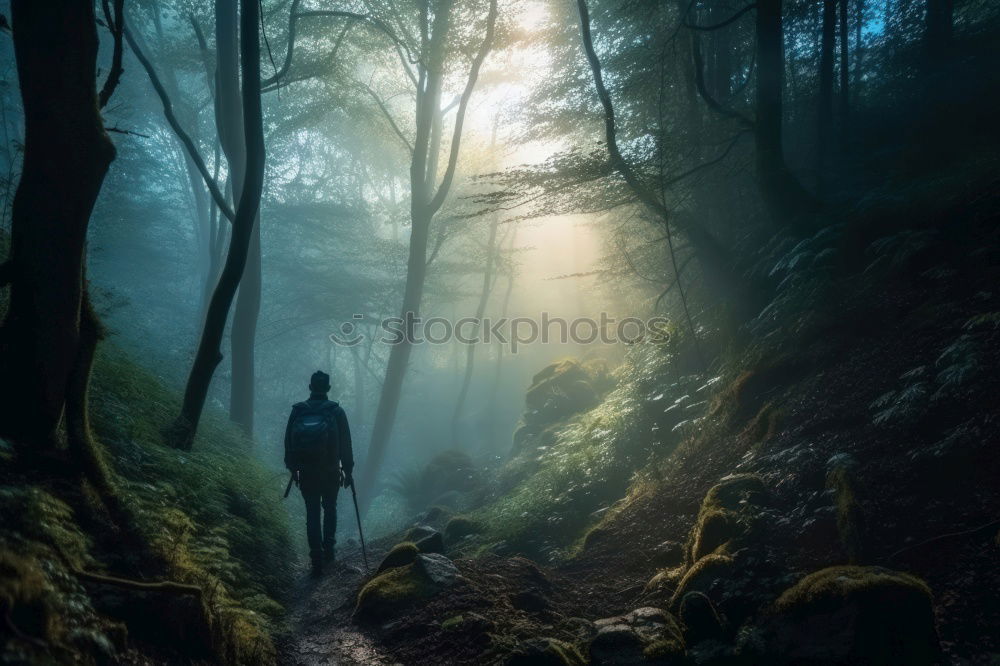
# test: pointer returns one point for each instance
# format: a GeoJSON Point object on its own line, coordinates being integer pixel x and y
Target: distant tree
{"type": "Point", "coordinates": [427, 194]}
{"type": "Point", "coordinates": [244, 225]}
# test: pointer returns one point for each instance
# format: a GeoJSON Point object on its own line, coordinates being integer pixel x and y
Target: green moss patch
{"type": "Point", "coordinates": [400, 555]}
{"type": "Point", "coordinates": [391, 593]}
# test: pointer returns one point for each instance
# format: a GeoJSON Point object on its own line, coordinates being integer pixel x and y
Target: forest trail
{"type": "Point", "coordinates": [320, 630]}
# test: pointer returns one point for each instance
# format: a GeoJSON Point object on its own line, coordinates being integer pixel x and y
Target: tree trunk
{"type": "Point", "coordinates": [781, 191]}
{"type": "Point", "coordinates": [470, 349]}
{"type": "Point", "coordinates": [498, 369]}
{"type": "Point", "coordinates": [824, 114]}
{"type": "Point", "coordinates": [425, 201]}
{"type": "Point", "coordinates": [66, 156]}
{"type": "Point", "coordinates": [845, 79]}
{"type": "Point", "coordinates": [938, 22]}
{"type": "Point", "coordinates": [399, 359]}
{"type": "Point", "coordinates": [209, 348]}
{"type": "Point", "coordinates": [229, 123]}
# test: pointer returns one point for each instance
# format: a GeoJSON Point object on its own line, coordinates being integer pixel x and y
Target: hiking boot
{"type": "Point", "coordinates": [329, 555]}
{"type": "Point", "coordinates": [317, 569]}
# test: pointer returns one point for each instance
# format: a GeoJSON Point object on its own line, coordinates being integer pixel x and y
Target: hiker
{"type": "Point", "coordinates": [318, 454]}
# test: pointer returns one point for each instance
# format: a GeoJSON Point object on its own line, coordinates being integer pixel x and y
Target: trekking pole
{"type": "Point", "coordinates": [357, 513]}
{"type": "Point", "coordinates": [288, 488]}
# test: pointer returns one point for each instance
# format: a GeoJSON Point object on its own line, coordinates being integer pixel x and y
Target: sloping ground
{"type": "Point", "coordinates": [73, 583]}
{"type": "Point", "coordinates": [858, 429]}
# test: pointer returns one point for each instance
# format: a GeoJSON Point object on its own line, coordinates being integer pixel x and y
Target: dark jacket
{"type": "Point", "coordinates": [344, 452]}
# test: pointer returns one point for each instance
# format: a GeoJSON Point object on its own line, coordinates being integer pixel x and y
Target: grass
{"type": "Point", "coordinates": [592, 458]}
{"type": "Point", "coordinates": [213, 514]}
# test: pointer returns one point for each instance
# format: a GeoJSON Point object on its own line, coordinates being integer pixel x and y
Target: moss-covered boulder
{"type": "Point", "coordinates": [558, 391]}
{"type": "Point", "coordinates": [432, 543]}
{"type": "Point", "coordinates": [400, 555]}
{"type": "Point", "coordinates": [664, 582]}
{"type": "Point", "coordinates": [390, 593]}
{"type": "Point", "coordinates": [703, 575]}
{"type": "Point", "coordinates": [851, 528]}
{"type": "Point", "coordinates": [624, 640]}
{"type": "Point", "coordinates": [418, 532]}
{"type": "Point", "coordinates": [853, 615]}
{"type": "Point", "coordinates": [699, 619]}
{"type": "Point", "coordinates": [461, 526]}
{"type": "Point", "coordinates": [726, 515]}
{"type": "Point", "coordinates": [545, 652]}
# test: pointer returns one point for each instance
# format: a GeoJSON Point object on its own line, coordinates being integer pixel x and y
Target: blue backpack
{"type": "Point", "coordinates": [313, 441]}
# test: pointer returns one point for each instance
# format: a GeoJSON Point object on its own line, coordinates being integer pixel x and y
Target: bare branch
{"type": "Point", "coordinates": [185, 138]}
{"type": "Point", "coordinates": [295, 15]}
{"type": "Point", "coordinates": [699, 80]}
{"type": "Point", "coordinates": [477, 63]}
{"type": "Point", "coordinates": [116, 24]}
{"type": "Point", "coordinates": [388, 116]}
{"type": "Point", "coordinates": [732, 19]}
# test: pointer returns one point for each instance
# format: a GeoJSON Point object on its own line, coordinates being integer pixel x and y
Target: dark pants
{"type": "Point", "coordinates": [319, 490]}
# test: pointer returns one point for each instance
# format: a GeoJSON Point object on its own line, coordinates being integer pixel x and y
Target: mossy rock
{"type": "Point", "coordinates": [25, 597]}
{"type": "Point", "coordinates": [699, 619]}
{"type": "Point", "coordinates": [852, 614]}
{"type": "Point", "coordinates": [664, 582]}
{"type": "Point", "coordinates": [725, 515]}
{"type": "Point", "coordinates": [558, 391]}
{"type": "Point", "coordinates": [645, 635]}
{"type": "Point", "coordinates": [545, 652]}
{"type": "Point", "coordinates": [701, 576]}
{"type": "Point", "coordinates": [715, 528]}
{"type": "Point", "coordinates": [418, 532]}
{"type": "Point", "coordinates": [461, 526]}
{"type": "Point", "coordinates": [437, 515]}
{"type": "Point", "coordinates": [665, 651]}
{"type": "Point", "coordinates": [400, 555]}
{"type": "Point", "coordinates": [851, 526]}
{"type": "Point", "coordinates": [390, 593]}
{"type": "Point", "coordinates": [433, 543]}
{"type": "Point", "coordinates": [732, 490]}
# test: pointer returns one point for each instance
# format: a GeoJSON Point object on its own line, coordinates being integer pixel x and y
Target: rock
{"type": "Point", "coordinates": [418, 532]}
{"type": "Point", "coordinates": [712, 652]}
{"type": "Point", "coordinates": [436, 515]}
{"type": "Point", "coordinates": [461, 526]}
{"type": "Point", "coordinates": [400, 555]}
{"type": "Point", "coordinates": [703, 575]}
{"type": "Point", "coordinates": [579, 627]}
{"type": "Point", "coordinates": [722, 519]}
{"type": "Point", "coordinates": [449, 499]}
{"type": "Point", "coordinates": [390, 593]}
{"type": "Point", "coordinates": [530, 601]}
{"type": "Point", "coordinates": [852, 614]}
{"type": "Point", "coordinates": [558, 391]}
{"type": "Point", "coordinates": [623, 640]}
{"type": "Point", "coordinates": [699, 619]}
{"type": "Point", "coordinates": [668, 554]}
{"type": "Point", "coordinates": [664, 582]}
{"type": "Point", "coordinates": [437, 568]}
{"type": "Point", "coordinates": [433, 543]}
{"type": "Point", "coordinates": [851, 524]}
{"type": "Point", "coordinates": [545, 652]}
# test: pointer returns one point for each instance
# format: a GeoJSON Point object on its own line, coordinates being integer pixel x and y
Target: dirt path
{"type": "Point", "coordinates": [320, 627]}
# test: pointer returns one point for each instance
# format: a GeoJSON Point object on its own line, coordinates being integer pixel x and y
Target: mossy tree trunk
{"type": "Point", "coordinates": [48, 337]}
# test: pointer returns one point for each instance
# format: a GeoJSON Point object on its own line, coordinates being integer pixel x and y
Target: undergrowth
{"type": "Point", "coordinates": [566, 486]}
{"type": "Point", "coordinates": [211, 513]}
